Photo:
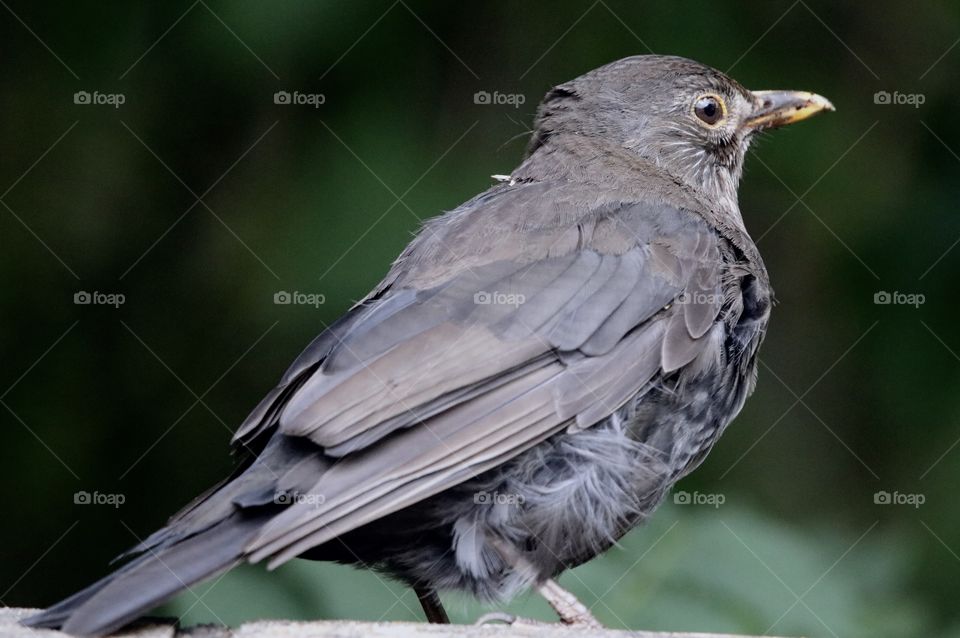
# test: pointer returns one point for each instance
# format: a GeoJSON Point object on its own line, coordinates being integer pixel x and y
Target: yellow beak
{"type": "Point", "coordinates": [779, 108]}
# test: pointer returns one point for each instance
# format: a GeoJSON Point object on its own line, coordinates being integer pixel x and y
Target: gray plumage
{"type": "Point", "coordinates": [538, 368]}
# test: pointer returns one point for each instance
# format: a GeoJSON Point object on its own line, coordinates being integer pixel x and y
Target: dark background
{"type": "Point", "coordinates": [854, 397]}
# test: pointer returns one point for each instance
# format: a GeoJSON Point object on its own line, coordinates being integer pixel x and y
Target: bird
{"type": "Point", "coordinates": [534, 373]}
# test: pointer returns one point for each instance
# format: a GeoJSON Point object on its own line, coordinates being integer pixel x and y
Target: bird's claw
{"type": "Point", "coordinates": [586, 621]}
{"type": "Point", "coordinates": [502, 617]}
{"type": "Point", "coordinates": [582, 620]}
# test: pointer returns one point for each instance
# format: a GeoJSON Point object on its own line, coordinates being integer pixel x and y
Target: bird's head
{"type": "Point", "coordinates": [692, 121]}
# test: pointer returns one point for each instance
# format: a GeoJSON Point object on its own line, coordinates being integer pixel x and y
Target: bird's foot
{"type": "Point", "coordinates": [571, 611]}
{"type": "Point", "coordinates": [501, 617]}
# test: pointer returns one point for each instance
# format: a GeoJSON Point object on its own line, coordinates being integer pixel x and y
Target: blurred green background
{"type": "Point", "coordinates": [855, 397]}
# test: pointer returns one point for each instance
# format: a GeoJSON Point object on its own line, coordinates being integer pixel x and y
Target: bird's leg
{"type": "Point", "coordinates": [432, 606]}
{"type": "Point", "coordinates": [570, 610]}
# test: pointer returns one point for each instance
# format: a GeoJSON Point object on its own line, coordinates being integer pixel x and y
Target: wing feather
{"type": "Point", "coordinates": [461, 381]}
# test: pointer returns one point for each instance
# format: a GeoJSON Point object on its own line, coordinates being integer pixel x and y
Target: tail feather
{"type": "Point", "coordinates": [152, 578]}
{"type": "Point", "coordinates": [55, 615]}
{"type": "Point", "coordinates": [205, 539]}
{"type": "Point", "coordinates": [251, 486]}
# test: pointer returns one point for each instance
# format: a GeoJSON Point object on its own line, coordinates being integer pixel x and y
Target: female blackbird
{"type": "Point", "coordinates": [537, 369]}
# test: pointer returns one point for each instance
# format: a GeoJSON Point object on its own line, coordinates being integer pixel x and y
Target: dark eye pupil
{"type": "Point", "coordinates": [708, 110]}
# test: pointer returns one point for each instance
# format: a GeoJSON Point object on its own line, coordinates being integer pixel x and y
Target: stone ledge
{"type": "Point", "coordinates": [167, 628]}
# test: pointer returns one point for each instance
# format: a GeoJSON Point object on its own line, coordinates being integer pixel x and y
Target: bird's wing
{"type": "Point", "coordinates": [505, 322]}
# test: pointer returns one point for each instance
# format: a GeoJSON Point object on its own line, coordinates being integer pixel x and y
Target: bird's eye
{"type": "Point", "coordinates": [709, 109]}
